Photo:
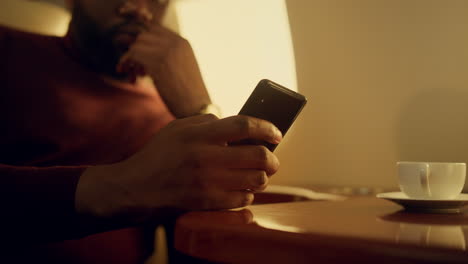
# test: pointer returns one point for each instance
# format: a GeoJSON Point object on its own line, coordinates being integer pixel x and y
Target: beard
{"type": "Point", "coordinates": [95, 45]}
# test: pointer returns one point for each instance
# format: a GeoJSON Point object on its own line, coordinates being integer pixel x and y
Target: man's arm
{"type": "Point", "coordinates": [170, 61]}
{"type": "Point", "coordinates": [180, 82]}
{"type": "Point", "coordinates": [188, 165]}
{"type": "Point", "coordinates": [38, 203]}
{"type": "Point", "coordinates": [3, 40]}
{"type": "Point", "coordinates": [3, 32]}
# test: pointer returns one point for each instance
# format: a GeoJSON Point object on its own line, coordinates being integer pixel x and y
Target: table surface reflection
{"type": "Point", "coordinates": [362, 229]}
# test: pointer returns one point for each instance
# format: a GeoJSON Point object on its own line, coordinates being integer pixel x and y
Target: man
{"type": "Point", "coordinates": [89, 140]}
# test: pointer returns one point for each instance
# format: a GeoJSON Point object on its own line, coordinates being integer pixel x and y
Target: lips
{"type": "Point", "coordinates": [125, 34]}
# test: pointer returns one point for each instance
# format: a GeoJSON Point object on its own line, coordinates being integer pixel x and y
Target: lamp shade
{"type": "Point", "coordinates": [237, 43]}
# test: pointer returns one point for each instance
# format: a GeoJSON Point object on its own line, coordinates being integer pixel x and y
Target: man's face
{"type": "Point", "coordinates": [111, 26]}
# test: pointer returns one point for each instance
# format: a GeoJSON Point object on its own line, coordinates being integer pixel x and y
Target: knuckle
{"type": "Point", "coordinates": [246, 199]}
{"type": "Point", "coordinates": [178, 42]}
{"type": "Point", "coordinates": [275, 164]}
{"type": "Point", "coordinates": [259, 180]}
{"type": "Point", "coordinates": [261, 188]}
{"type": "Point", "coordinates": [245, 125]}
{"type": "Point", "coordinates": [194, 158]}
{"type": "Point", "coordinates": [262, 156]}
{"type": "Point", "coordinates": [182, 41]}
{"type": "Point", "coordinates": [211, 117]}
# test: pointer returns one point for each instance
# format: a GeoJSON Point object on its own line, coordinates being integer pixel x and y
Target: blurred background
{"type": "Point", "coordinates": [386, 80]}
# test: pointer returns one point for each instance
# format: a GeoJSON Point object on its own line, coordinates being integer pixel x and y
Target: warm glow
{"type": "Point", "coordinates": [238, 43]}
{"type": "Point", "coordinates": [34, 16]}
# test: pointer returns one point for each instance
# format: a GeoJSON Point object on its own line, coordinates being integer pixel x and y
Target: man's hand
{"type": "Point", "coordinates": [188, 165]}
{"type": "Point", "coordinates": [169, 60]}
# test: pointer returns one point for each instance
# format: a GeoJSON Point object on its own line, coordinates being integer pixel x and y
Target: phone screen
{"type": "Point", "coordinates": [275, 103]}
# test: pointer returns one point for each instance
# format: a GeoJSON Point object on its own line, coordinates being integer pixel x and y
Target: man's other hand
{"type": "Point", "coordinates": [170, 61]}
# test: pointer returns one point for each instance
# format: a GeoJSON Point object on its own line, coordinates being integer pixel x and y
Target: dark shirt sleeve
{"type": "Point", "coordinates": [38, 204]}
{"type": "Point", "coordinates": [2, 38]}
{"type": "Point", "coordinates": [37, 201]}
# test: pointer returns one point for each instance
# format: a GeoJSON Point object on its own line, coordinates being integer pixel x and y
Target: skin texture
{"type": "Point", "coordinates": [188, 165]}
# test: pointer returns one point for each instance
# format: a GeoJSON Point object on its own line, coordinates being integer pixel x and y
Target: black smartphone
{"type": "Point", "coordinates": [275, 103]}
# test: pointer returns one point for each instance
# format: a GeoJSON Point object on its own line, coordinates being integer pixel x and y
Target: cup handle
{"type": "Point", "coordinates": [424, 179]}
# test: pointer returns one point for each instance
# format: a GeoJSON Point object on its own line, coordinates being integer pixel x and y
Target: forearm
{"type": "Point", "coordinates": [38, 205]}
{"type": "Point", "coordinates": [182, 88]}
{"type": "Point", "coordinates": [170, 61]}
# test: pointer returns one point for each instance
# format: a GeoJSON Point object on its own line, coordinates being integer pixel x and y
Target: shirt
{"type": "Point", "coordinates": [57, 118]}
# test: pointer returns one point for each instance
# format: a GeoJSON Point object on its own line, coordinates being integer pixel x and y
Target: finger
{"type": "Point", "coordinates": [130, 68]}
{"type": "Point", "coordinates": [121, 67]}
{"type": "Point", "coordinates": [237, 128]}
{"type": "Point", "coordinates": [137, 56]}
{"type": "Point", "coordinates": [235, 157]}
{"type": "Point", "coordinates": [225, 200]}
{"type": "Point", "coordinates": [155, 49]}
{"type": "Point", "coordinates": [126, 65]}
{"type": "Point", "coordinates": [152, 39]}
{"type": "Point", "coordinates": [199, 119]}
{"type": "Point", "coordinates": [159, 29]}
{"type": "Point", "coordinates": [244, 216]}
{"type": "Point", "coordinates": [235, 180]}
{"type": "Point", "coordinates": [123, 61]}
{"type": "Point", "coordinates": [186, 124]}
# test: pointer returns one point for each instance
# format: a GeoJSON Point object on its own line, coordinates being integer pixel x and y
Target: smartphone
{"type": "Point", "coordinates": [275, 103]}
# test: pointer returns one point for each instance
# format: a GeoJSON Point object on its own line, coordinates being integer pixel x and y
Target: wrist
{"type": "Point", "coordinates": [107, 192]}
{"type": "Point", "coordinates": [210, 109]}
{"type": "Point", "coordinates": [95, 193]}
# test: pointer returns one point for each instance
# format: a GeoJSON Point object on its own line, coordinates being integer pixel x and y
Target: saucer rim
{"type": "Point", "coordinates": [389, 195]}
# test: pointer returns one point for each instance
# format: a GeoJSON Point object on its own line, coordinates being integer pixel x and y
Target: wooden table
{"type": "Point", "coordinates": [354, 230]}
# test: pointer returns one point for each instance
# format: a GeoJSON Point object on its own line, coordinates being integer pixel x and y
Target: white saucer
{"type": "Point", "coordinates": [427, 205]}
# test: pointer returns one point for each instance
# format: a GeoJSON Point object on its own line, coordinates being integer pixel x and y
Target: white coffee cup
{"type": "Point", "coordinates": [431, 180]}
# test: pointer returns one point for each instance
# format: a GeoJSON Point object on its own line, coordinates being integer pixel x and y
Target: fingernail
{"type": "Point", "coordinates": [262, 180]}
{"type": "Point", "coordinates": [278, 136]}
{"type": "Point", "coordinates": [250, 198]}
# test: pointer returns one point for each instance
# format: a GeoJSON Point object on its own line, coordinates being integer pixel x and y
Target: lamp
{"type": "Point", "coordinates": [237, 43]}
